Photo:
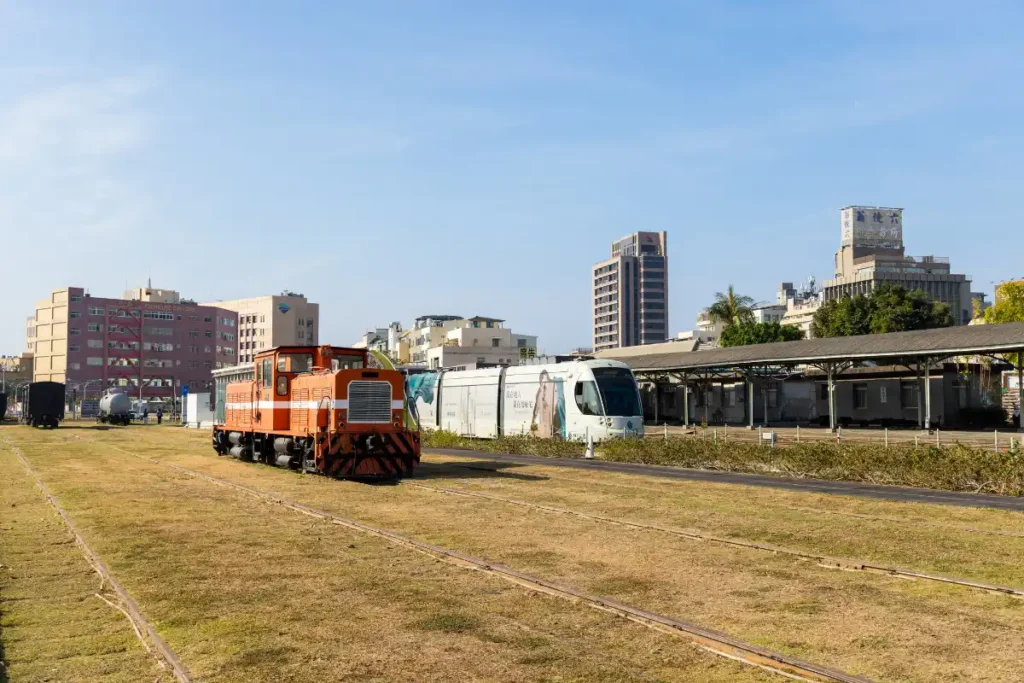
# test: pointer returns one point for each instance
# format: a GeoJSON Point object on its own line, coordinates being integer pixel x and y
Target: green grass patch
{"type": "Point", "coordinates": [955, 467]}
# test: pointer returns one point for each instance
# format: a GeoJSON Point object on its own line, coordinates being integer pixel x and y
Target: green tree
{"type": "Point", "coordinates": [890, 308]}
{"type": "Point", "coordinates": [894, 309]}
{"type": "Point", "coordinates": [1008, 308]}
{"type": "Point", "coordinates": [845, 317]}
{"type": "Point", "coordinates": [731, 308]}
{"type": "Point", "coordinates": [746, 333]}
{"type": "Point", "coordinates": [1009, 304]}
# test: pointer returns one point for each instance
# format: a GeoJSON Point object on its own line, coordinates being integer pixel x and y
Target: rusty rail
{"type": "Point", "coordinates": [718, 643]}
{"type": "Point", "coordinates": [735, 542]}
{"type": "Point", "coordinates": [166, 656]}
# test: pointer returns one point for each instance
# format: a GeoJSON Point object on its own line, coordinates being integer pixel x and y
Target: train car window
{"type": "Point", "coordinates": [267, 372]}
{"type": "Point", "coordinates": [282, 385]}
{"type": "Point", "coordinates": [295, 362]}
{"type": "Point", "coordinates": [588, 400]}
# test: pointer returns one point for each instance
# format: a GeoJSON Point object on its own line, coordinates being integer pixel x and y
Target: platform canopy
{"type": "Point", "coordinates": [922, 345]}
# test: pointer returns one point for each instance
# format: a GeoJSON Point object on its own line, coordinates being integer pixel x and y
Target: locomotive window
{"type": "Point", "coordinates": [282, 385]}
{"type": "Point", "coordinates": [294, 362]}
{"type": "Point", "coordinates": [267, 372]}
{"type": "Point", "coordinates": [347, 363]}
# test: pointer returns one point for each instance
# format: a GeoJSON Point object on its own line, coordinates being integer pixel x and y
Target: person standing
{"type": "Point", "coordinates": [159, 415]}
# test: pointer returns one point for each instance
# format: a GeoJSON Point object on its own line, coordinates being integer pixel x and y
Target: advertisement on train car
{"type": "Point", "coordinates": [423, 395]}
{"type": "Point", "coordinates": [536, 406]}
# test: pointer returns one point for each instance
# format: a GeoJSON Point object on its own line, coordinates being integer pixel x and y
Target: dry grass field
{"type": "Point", "coordinates": [244, 590]}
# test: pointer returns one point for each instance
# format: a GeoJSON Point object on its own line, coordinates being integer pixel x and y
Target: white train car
{"type": "Point", "coordinates": [594, 398]}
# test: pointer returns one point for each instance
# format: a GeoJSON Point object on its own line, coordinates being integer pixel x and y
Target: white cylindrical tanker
{"type": "Point", "coordinates": [115, 409]}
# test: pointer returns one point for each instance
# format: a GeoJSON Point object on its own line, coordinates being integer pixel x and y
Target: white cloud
{"type": "Point", "coordinates": [60, 153]}
{"type": "Point", "coordinates": [71, 209]}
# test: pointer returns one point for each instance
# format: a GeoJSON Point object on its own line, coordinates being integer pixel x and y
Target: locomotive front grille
{"type": "Point", "coordinates": [369, 402]}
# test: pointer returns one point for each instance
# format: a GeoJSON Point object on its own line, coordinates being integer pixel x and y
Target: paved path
{"type": "Point", "coordinates": [846, 488]}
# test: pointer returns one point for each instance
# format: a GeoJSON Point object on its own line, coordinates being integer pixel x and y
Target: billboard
{"type": "Point", "coordinates": [872, 226]}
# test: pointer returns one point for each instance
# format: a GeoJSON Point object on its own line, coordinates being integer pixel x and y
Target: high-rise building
{"type": "Point", "coordinates": [142, 347]}
{"type": "Point", "coordinates": [264, 322]}
{"type": "Point", "coordinates": [631, 292]}
{"type": "Point", "coordinates": [872, 253]}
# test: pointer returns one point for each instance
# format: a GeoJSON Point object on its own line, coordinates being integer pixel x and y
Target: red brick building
{"type": "Point", "coordinates": [151, 339]}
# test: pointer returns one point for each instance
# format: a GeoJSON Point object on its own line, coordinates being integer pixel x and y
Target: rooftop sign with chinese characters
{"type": "Point", "coordinates": [872, 226]}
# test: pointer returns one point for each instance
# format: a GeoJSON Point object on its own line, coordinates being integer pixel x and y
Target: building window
{"type": "Point", "coordinates": [495, 343]}
{"type": "Point", "coordinates": [95, 343]}
{"type": "Point", "coordinates": [521, 343]}
{"type": "Point", "coordinates": [74, 331]}
{"type": "Point", "coordinates": [93, 360]}
{"type": "Point", "coordinates": [480, 360]}
{"type": "Point", "coordinates": [76, 297]}
{"type": "Point", "coordinates": [860, 396]}
{"type": "Point", "coordinates": [207, 319]}
{"type": "Point", "coordinates": [74, 366]}
{"type": "Point", "coordinates": [208, 333]}
{"type": "Point", "coordinates": [76, 347]}
{"type": "Point", "coordinates": [75, 314]}
{"type": "Point", "coordinates": [908, 394]}
{"type": "Point", "coordinates": [95, 327]}
{"type": "Point", "coordinates": [208, 364]}
{"type": "Point", "coordinates": [96, 310]}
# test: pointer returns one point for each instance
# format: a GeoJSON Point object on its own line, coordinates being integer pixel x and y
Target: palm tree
{"type": "Point", "coordinates": [731, 308]}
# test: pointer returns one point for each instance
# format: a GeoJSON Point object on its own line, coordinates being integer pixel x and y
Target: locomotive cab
{"type": "Point", "coordinates": [320, 409]}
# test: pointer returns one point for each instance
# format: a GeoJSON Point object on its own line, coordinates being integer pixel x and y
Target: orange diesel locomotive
{"type": "Point", "coordinates": [320, 409]}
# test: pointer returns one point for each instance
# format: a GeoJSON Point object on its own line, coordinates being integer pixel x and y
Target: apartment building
{"type": "Point", "coordinates": [149, 346]}
{"type": "Point", "coordinates": [872, 253]}
{"type": "Point", "coordinates": [630, 292]}
{"type": "Point", "coordinates": [800, 305]}
{"type": "Point", "coordinates": [447, 341]}
{"type": "Point", "coordinates": [285, 319]}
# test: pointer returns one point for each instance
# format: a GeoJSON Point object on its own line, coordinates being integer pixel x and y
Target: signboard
{"type": "Point", "coordinates": [89, 407]}
{"type": "Point", "coordinates": [872, 226]}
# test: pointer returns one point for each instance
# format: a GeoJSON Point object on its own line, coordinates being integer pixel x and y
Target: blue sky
{"type": "Point", "coordinates": [390, 159]}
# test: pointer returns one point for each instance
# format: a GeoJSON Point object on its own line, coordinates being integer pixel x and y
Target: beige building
{"type": "Point", "coordinates": [448, 341]}
{"type": "Point", "coordinates": [286, 319]}
{"type": "Point", "coordinates": [872, 253]}
{"type": "Point", "coordinates": [800, 305]}
{"type": "Point", "coordinates": [151, 295]}
{"type": "Point", "coordinates": [630, 292]}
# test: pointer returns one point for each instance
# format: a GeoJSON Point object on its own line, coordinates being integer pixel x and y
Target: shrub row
{"type": "Point", "coordinates": [954, 468]}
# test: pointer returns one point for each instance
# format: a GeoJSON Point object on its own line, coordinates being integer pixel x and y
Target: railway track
{"type": "Point", "coordinates": [694, 535]}
{"type": "Point", "coordinates": [151, 641]}
{"type": "Point", "coordinates": [713, 641]}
